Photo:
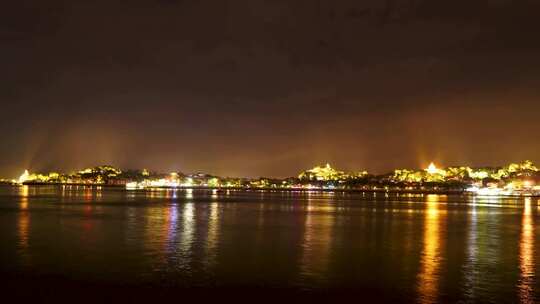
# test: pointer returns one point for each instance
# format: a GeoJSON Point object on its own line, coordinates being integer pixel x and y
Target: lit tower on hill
{"type": "Point", "coordinates": [432, 169]}
{"type": "Point", "coordinates": [24, 177]}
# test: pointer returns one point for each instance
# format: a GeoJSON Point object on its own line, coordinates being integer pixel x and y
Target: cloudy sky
{"type": "Point", "coordinates": [267, 88]}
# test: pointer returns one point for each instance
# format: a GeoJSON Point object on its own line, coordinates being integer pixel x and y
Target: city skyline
{"type": "Point", "coordinates": [430, 167]}
{"type": "Point", "coordinates": [514, 179]}
{"type": "Point", "coordinates": [381, 151]}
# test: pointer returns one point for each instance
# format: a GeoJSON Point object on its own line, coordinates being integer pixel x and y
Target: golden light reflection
{"type": "Point", "coordinates": [131, 222]}
{"type": "Point", "coordinates": [471, 265]}
{"type": "Point", "coordinates": [188, 228]}
{"type": "Point", "coordinates": [428, 278]}
{"type": "Point", "coordinates": [213, 235]}
{"type": "Point", "coordinates": [189, 194]}
{"type": "Point", "coordinates": [526, 255]}
{"type": "Point", "coordinates": [23, 225]}
{"type": "Point", "coordinates": [23, 222]}
{"type": "Point", "coordinates": [213, 225]}
{"type": "Point", "coordinates": [24, 219]}
{"type": "Point", "coordinates": [172, 220]}
{"type": "Point", "coordinates": [156, 231]}
{"type": "Point", "coordinates": [317, 241]}
{"type": "Point", "coordinates": [24, 197]}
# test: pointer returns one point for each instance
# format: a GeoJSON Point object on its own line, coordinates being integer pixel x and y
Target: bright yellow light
{"type": "Point", "coordinates": [326, 173]}
{"type": "Point", "coordinates": [526, 254]}
{"type": "Point", "coordinates": [24, 177]}
{"type": "Point", "coordinates": [432, 169]}
{"type": "Point", "coordinates": [132, 185]}
{"type": "Point", "coordinates": [431, 253]}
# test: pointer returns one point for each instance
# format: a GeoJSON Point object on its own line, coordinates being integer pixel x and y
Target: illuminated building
{"type": "Point", "coordinates": [432, 169]}
{"type": "Point", "coordinates": [24, 177]}
{"type": "Point", "coordinates": [519, 179]}
{"type": "Point", "coordinates": [326, 173]}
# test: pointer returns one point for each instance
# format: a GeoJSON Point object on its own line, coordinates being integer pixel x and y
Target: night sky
{"type": "Point", "coordinates": [267, 88]}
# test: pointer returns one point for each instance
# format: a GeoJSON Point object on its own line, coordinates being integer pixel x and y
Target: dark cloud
{"type": "Point", "coordinates": [267, 87]}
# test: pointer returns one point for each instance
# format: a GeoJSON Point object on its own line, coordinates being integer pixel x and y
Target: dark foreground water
{"type": "Point", "coordinates": [110, 244]}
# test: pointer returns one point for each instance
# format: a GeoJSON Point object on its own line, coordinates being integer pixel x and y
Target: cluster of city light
{"type": "Point", "coordinates": [24, 177]}
{"type": "Point", "coordinates": [432, 169]}
{"type": "Point", "coordinates": [96, 175]}
{"type": "Point", "coordinates": [434, 174]}
{"type": "Point", "coordinates": [327, 173]}
{"type": "Point", "coordinates": [513, 179]}
{"type": "Point", "coordinates": [519, 187]}
{"type": "Point", "coordinates": [35, 177]}
{"type": "Point", "coordinates": [171, 182]}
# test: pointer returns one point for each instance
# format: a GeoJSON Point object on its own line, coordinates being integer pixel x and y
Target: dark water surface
{"type": "Point", "coordinates": [411, 248]}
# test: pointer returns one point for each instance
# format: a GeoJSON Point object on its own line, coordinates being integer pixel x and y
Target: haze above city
{"type": "Point", "coordinates": [260, 88]}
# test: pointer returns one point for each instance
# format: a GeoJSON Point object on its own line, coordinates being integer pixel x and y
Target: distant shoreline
{"type": "Point", "coordinates": [513, 180]}
{"type": "Point", "coordinates": [269, 189]}
{"type": "Point", "coordinates": [349, 190]}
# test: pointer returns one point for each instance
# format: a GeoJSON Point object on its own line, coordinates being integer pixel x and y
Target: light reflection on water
{"type": "Point", "coordinates": [212, 238]}
{"type": "Point", "coordinates": [23, 224]}
{"type": "Point", "coordinates": [428, 278]}
{"type": "Point", "coordinates": [470, 268]}
{"type": "Point", "coordinates": [188, 231]}
{"type": "Point", "coordinates": [526, 255]}
{"type": "Point", "coordinates": [307, 240]}
{"type": "Point", "coordinates": [172, 228]}
{"type": "Point", "coordinates": [317, 241]}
